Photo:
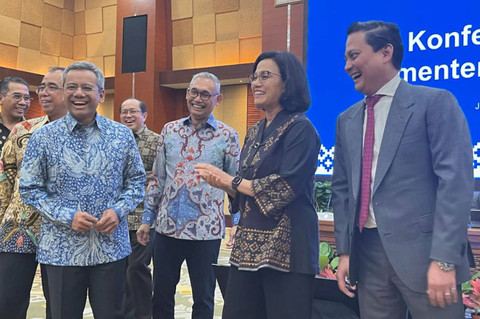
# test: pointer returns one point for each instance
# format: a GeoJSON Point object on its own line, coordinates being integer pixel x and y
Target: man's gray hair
{"type": "Point", "coordinates": [207, 75]}
{"type": "Point", "coordinates": [83, 65]}
{"type": "Point", "coordinates": [55, 68]}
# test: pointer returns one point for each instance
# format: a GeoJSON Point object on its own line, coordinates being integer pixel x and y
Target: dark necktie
{"type": "Point", "coordinates": [367, 160]}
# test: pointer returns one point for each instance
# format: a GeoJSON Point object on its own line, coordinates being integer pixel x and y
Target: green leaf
{"type": "Point", "coordinates": [32, 237]}
{"type": "Point", "coordinates": [323, 192]}
{"type": "Point", "coordinates": [326, 250]}
{"type": "Point", "coordinates": [466, 287]}
{"type": "Point", "coordinates": [323, 261]}
{"type": "Point", "coordinates": [334, 263]}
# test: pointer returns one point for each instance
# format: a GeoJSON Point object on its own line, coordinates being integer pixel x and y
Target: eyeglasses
{"type": "Point", "coordinates": [263, 76]}
{"type": "Point", "coordinates": [51, 87]}
{"type": "Point", "coordinates": [72, 88]}
{"type": "Point", "coordinates": [131, 111]}
{"type": "Point", "coordinates": [205, 95]}
{"type": "Point", "coordinates": [18, 97]}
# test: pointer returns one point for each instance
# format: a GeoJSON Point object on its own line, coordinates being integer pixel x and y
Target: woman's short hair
{"type": "Point", "coordinates": [296, 95]}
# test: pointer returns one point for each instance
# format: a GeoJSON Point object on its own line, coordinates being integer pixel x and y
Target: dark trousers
{"type": "Point", "coordinates": [382, 294]}
{"type": "Point", "coordinates": [268, 294]}
{"type": "Point", "coordinates": [169, 254]}
{"type": "Point", "coordinates": [105, 283]}
{"type": "Point", "coordinates": [16, 277]}
{"type": "Point", "coordinates": [138, 302]}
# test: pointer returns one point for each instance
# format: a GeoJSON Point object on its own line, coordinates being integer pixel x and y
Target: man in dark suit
{"type": "Point", "coordinates": [402, 237]}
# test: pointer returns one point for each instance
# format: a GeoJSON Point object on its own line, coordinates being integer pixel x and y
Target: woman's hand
{"type": "Point", "coordinates": [214, 176]}
{"type": "Point", "coordinates": [231, 237]}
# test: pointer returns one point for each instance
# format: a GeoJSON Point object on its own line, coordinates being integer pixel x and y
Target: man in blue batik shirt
{"type": "Point", "coordinates": [190, 222]}
{"type": "Point", "coordinates": [84, 174]}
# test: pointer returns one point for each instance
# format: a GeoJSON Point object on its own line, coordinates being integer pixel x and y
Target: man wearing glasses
{"type": "Point", "coordinates": [84, 174]}
{"type": "Point", "coordinates": [138, 305]}
{"type": "Point", "coordinates": [15, 101]}
{"type": "Point", "coordinates": [189, 215]}
{"type": "Point", "coordinates": [20, 223]}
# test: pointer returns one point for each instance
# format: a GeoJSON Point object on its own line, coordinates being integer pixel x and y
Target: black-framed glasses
{"type": "Point", "coordinates": [18, 97]}
{"type": "Point", "coordinates": [130, 111]}
{"type": "Point", "coordinates": [51, 88]}
{"type": "Point", "coordinates": [204, 95]}
{"type": "Point", "coordinates": [263, 76]}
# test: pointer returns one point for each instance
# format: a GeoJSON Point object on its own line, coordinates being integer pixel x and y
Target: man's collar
{"type": "Point", "coordinates": [140, 131]}
{"type": "Point", "coordinates": [212, 122]}
{"type": "Point", "coordinates": [1, 119]}
{"type": "Point", "coordinates": [389, 88]}
{"type": "Point", "coordinates": [72, 122]}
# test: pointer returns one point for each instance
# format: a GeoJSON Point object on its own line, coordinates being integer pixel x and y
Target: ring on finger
{"type": "Point", "coordinates": [447, 294]}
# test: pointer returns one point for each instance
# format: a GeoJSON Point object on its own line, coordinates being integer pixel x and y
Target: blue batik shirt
{"type": "Point", "coordinates": [184, 205]}
{"type": "Point", "coordinates": [69, 167]}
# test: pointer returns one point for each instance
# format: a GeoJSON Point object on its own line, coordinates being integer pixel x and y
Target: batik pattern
{"type": "Point", "coordinates": [68, 168]}
{"type": "Point", "coordinates": [278, 226]}
{"type": "Point", "coordinates": [147, 142]}
{"type": "Point", "coordinates": [19, 223]}
{"type": "Point", "coordinates": [184, 205]}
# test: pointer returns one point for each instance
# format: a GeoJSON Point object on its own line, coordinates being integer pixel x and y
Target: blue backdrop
{"type": "Point", "coordinates": [442, 49]}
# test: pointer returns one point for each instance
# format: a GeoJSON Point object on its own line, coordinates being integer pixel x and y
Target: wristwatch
{"type": "Point", "coordinates": [445, 266]}
{"type": "Point", "coordinates": [236, 181]}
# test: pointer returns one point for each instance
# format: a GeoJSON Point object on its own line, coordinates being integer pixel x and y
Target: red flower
{"type": "Point", "coordinates": [327, 273]}
{"type": "Point", "coordinates": [19, 241]}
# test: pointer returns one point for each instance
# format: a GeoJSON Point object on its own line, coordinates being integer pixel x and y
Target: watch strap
{"type": "Point", "coordinates": [444, 265]}
{"type": "Point", "coordinates": [236, 181]}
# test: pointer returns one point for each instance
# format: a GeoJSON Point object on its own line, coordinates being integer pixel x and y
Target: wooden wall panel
{"type": "Point", "coordinates": [274, 28]}
{"type": "Point", "coordinates": [32, 11]}
{"type": "Point", "coordinates": [9, 56]}
{"type": "Point", "coordinates": [181, 9]}
{"type": "Point", "coordinates": [201, 7]}
{"type": "Point", "coordinates": [68, 22]}
{"type": "Point", "coordinates": [10, 31]}
{"type": "Point", "coordinates": [215, 22]}
{"type": "Point", "coordinates": [53, 31]}
{"type": "Point", "coordinates": [160, 101]}
{"type": "Point", "coordinates": [52, 17]}
{"type": "Point", "coordinates": [226, 26]}
{"type": "Point", "coordinates": [12, 9]}
{"type": "Point", "coordinates": [30, 36]}
{"type": "Point", "coordinates": [35, 110]}
{"type": "Point", "coordinates": [253, 114]}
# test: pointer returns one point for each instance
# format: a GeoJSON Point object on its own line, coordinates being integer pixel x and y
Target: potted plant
{"type": "Point", "coordinates": [326, 287]}
{"type": "Point", "coordinates": [323, 193]}
{"type": "Point", "coordinates": [471, 295]}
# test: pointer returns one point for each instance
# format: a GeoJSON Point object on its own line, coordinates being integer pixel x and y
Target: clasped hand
{"type": "Point", "coordinates": [83, 221]}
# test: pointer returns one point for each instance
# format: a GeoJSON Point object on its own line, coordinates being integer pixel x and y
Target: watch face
{"type": "Point", "coordinates": [237, 180]}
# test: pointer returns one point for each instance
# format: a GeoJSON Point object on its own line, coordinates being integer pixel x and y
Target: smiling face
{"type": "Point", "coordinates": [200, 109]}
{"type": "Point", "coordinates": [81, 95]}
{"type": "Point", "coordinates": [267, 92]}
{"type": "Point", "coordinates": [369, 70]}
{"type": "Point", "coordinates": [11, 108]}
{"type": "Point", "coordinates": [131, 115]}
{"type": "Point", "coordinates": [51, 98]}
